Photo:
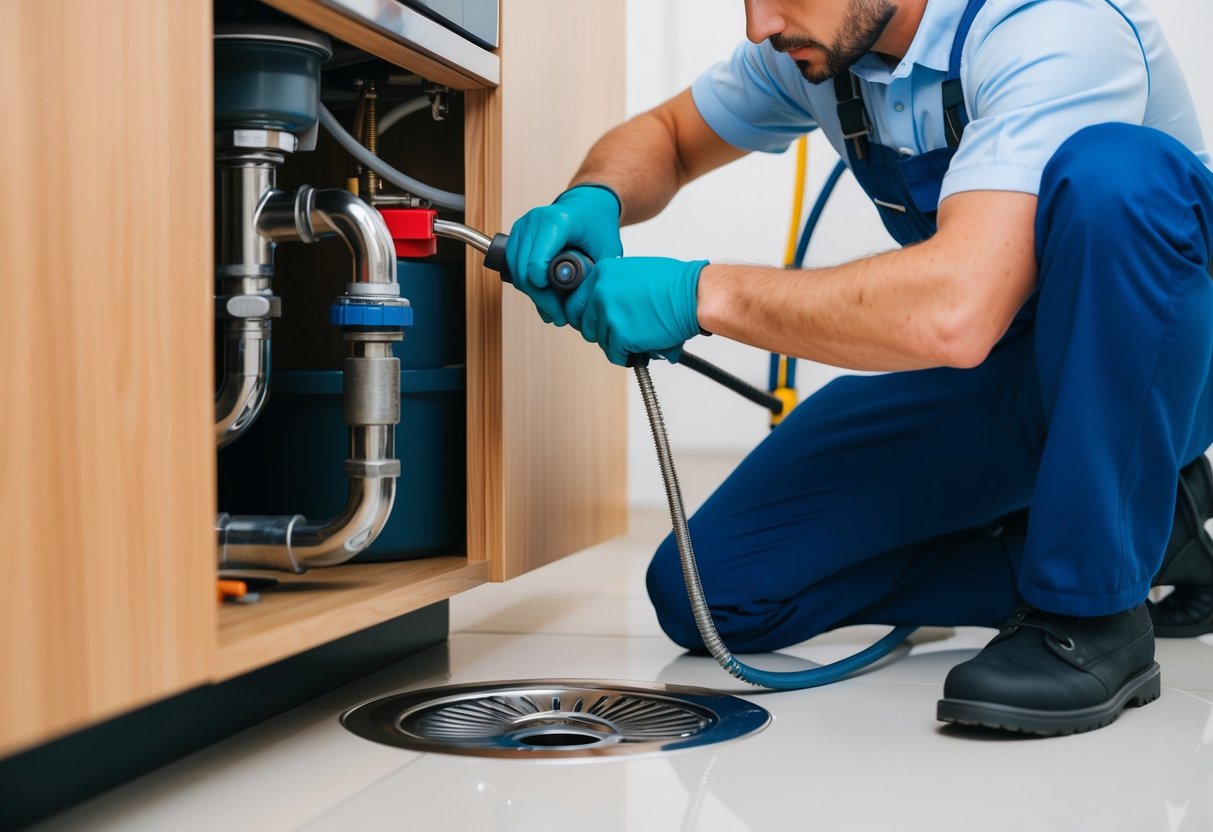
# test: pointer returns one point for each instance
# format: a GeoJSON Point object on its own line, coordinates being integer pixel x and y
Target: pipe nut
{"type": "Point", "coordinates": [248, 306]}
{"type": "Point", "coordinates": [252, 139]}
{"type": "Point", "coordinates": [372, 469]}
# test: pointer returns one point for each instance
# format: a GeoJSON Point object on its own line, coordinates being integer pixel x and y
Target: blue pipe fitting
{"type": "Point", "coordinates": [377, 314]}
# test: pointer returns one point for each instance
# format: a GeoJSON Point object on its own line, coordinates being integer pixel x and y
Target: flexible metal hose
{"type": "Point", "coordinates": [682, 534]}
{"type": "Point", "coordinates": [795, 680]}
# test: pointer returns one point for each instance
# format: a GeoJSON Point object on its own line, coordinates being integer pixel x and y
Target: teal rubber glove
{"type": "Point", "coordinates": [586, 218]}
{"type": "Point", "coordinates": [638, 305]}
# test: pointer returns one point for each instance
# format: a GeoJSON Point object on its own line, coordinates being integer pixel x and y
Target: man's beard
{"type": "Point", "coordinates": [865, 23]}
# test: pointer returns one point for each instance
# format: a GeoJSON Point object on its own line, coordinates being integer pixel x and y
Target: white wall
{"type": "Point", "coordinates": [741, 214]}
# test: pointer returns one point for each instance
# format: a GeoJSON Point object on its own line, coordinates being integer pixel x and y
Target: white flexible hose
{"type": "Point", "coordinates": [440, 198]}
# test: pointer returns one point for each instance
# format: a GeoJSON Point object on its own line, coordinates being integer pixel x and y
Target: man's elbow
{"type": "Point", "coordinates": [976, 306]}
{"type": "Point", "coordinates": [964, 339]}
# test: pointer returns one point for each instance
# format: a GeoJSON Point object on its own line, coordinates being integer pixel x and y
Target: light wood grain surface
{"type": "Point", "coordinates": [326, 604]}
{"type": "Point", "coordinates": [106, 442]}
{"type": "Point", "coordinates": [547, 433]}
{"type": "Point", "coordinates": [485, 503]}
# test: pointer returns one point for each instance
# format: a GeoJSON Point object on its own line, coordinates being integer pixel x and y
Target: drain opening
{"type": "Point", "coordinates": [558, 739]}
{"type": "Point", "coordinates": [539, 719]}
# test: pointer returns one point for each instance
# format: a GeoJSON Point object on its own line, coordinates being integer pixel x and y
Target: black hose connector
{"type": "Point", "coordinates": [494, 258]}
{"type": "Point", "coordinates": [565, 272]}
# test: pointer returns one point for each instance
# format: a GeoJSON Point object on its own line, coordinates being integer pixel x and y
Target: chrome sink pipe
{"type": "Point", "coordinates": [309, 214]}
{"type": "Point", "coordinates": [370, 397]}
{"type": "Point", "coordinates": [247, 162]}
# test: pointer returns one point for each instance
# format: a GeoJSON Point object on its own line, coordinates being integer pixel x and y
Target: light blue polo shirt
{"type": "Point", "coordinates": [1034, 73]}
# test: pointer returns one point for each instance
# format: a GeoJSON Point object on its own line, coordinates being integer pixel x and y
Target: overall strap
{"type": "Point", "coordinates": [955, 117]}
{"type": "Point", "coordinates": [852, 114]}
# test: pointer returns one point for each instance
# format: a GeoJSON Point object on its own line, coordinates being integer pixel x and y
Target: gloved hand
{"type": "Point", "coordinates": [585, 217]}
{"type": "Point", "coordinates": [643, 305]}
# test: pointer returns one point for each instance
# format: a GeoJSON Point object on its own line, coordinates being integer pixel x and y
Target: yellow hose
{"type": "Point", "coordinates": [802, 166]}
{"type": "Point", "coordinates": [789, 261]}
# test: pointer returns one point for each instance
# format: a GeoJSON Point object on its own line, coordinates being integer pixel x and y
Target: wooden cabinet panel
{"type": "Point", "coordinates": [107, 458]}
{"type": "Point", "coordinates": [106, 440]}
{"type": "Point", "coordinates": [547, 434]}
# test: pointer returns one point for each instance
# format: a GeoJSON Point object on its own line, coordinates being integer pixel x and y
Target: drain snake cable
{"type": "Point", "coordinates": [776, 680]}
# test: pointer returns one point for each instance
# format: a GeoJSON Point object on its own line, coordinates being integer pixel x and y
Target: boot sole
{"type": "Point", "coordinates": [1140, 690]}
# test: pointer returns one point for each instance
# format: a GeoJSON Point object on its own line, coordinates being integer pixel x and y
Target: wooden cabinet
{"type": "Point", "coordinates": [107, 459]}
{"type": "Point", "coordinates": [547, 435]}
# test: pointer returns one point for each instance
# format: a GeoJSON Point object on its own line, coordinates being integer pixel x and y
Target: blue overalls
{"type": "Point", "coordinates": [1047, 474]}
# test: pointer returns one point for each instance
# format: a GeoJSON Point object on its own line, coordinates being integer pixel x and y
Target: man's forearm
{"type": "Point", "coordinates": [945, 302]}
{"type": "Point", "coordinates": [857, 316]}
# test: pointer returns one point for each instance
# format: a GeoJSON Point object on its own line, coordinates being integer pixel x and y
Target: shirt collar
{"type": "Point", "coordinates": [931, 47]}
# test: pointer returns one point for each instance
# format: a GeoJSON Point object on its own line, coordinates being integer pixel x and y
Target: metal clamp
{"type": "Point", "coordinates": [372, 469]}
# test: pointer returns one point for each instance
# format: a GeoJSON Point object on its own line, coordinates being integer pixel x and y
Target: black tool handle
{"type": "Point", "coordinates": [494, 258]}
{"type": "Point", "coordinates": [568, 269]}
{"type": "Point", "coordinates": [565, 272]}
{"type": "Point", "coordinates": [739, 386]}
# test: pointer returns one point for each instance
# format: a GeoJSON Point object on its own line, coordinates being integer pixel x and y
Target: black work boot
{"type": "Point", "coordinates": [1049, 674]}
{"type": "Point", "coordinates": [1187, 564]}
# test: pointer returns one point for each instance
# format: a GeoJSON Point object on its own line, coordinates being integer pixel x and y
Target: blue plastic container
{"type": "Point", "coordinates": [436, 292]}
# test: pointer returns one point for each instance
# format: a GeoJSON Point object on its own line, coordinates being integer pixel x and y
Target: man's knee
{"type": "Point", "coordinates": [746, 624]}
{"type": "Point", "coordinates": [1107, 169]}
{"type": "Point", "coordinates": [737, 623]}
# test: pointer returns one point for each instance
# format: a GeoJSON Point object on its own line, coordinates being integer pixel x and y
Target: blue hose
{"type": "Point", "coordinates": [819, 207]}
{"type": "Point", "coordinates": [827, 674]}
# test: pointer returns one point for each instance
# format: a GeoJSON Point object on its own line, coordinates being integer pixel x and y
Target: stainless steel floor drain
{"type": "Point", "coordinates": [538, 719]}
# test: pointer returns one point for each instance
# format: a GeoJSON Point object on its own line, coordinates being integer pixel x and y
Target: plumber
{"type": "Point", "coordinates": [1032, 455]}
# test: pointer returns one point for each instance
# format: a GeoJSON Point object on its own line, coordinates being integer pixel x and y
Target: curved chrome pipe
{"type": "Point", "coordinates": [310, 214]}
{"type": "Point", "coordinates": [291, 544]}
{"type": "Point", "coordinates": [245, 266]}
{"type": "Point", "coordinates": [245, 387]}
{"type": "Point", "coordinates": [371, 402]}
{"type": "Point", "coordinates": [366, 512]}
{"type": "Point", "coordinates": [465, 235]}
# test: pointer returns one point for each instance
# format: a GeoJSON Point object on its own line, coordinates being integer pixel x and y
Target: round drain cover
{"type": "Point", "coordinates": [549, 719]}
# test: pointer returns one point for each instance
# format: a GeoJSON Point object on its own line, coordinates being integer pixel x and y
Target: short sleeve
{"type": "Point", "coordinates": [745, 100]}
{"type": "Point", "coordinates": [1039, 76]}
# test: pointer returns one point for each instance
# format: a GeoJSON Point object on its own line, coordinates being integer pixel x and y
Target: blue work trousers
{"type": "Point", "coordinates": [1047, 474]}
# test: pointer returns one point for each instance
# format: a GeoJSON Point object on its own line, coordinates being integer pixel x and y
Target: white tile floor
{"type": "Point", "coordinates": [865, 754]}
